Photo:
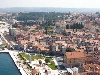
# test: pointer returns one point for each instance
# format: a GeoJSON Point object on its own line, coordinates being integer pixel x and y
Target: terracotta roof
{"type": "Point", "coordinates": [59, 41]}
{"type": "Point", "coordinates": [54, 44]}
{"type": "Point", "coordinates": [35, 71]}
{"type": "Point", "coordinates": [95, 66]}
{"type": "Point", "coordinates": [75, 55]}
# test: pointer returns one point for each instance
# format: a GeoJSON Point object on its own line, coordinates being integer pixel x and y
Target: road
{"type": "Point", "coordinates": [5, 39]}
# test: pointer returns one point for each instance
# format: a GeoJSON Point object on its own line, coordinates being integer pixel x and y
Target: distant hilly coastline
{"type": "Point", "coordinates": [48, 9]}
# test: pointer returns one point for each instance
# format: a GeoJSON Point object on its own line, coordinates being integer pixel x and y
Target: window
{"type": "Point", "coordinates": [70, 61]}
{"type": "Point", "coordinates": [74, 60]}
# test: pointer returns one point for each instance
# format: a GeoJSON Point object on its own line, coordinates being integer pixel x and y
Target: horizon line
{"type": "Point", "coordinates": [52, 7]}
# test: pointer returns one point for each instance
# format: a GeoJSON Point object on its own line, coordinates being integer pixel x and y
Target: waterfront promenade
{"type": "Point", "coordinates": [15, 59]}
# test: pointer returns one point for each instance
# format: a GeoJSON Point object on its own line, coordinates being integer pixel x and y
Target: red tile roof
{"type": "Point", "coordinates": [35, 71]}
{"type": "Point", "coordinates": [75, 55]}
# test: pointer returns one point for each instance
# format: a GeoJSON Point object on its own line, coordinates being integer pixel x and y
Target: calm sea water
{"type": "Point", "coordinates": [7, 66]}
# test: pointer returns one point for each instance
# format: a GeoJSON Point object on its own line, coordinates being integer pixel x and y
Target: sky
{"type": "Point", "coordinates": [51, 3]}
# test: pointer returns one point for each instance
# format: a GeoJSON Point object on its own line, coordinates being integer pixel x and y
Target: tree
{"type": "Point", "coordinates": [38, 15]}
{"type": "Point", "coordinates": [97, 13]}
{"type": "Point", "coordinates": [47, 60]}
{"type": "Point", "coordinates": [97, 30]}
{"type": "Point", "coordinates": [68, 73]}
{"type": "Point", "coordinates": [39, 50]}
{"type": "Point", "coordinates": [49, 22]}
{"type": "Point", "coordinates": [96, 49]}
{"type": "Point", "coordinates": [64, 33]}
{"type": "Point", "coordinates": [1, 17]}
{"type": "Point", "coordinates": [52, 53]}
{"type": "Point", "coordinates": [67, 26]}
{"type": "Point", "coordinates": [40, 62]}
{"type": "Point", "coordinates": [43, 52]}
{"type": "Point", "coordinates": [69, 50]}
{"type": "Point", "coordinates": [81, 25]}
{"type": "Point", "coordinates": [11, 48]}
{"type": "Point", "coordinates": [46, 31]}
{"type": "Point", "coordinates": [77, 26]}
{"type": "Point", "coordinates": [15, 25]}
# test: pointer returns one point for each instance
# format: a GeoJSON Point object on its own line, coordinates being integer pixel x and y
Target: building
{"type": "Point", "coordinates": [35, 72]}
{"type": "Point", "coordinates": [74, 58]}
{"type": "Point", "coordinates": [54, 47]}
{"type": "Point", "coordinates": [15, 33]}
